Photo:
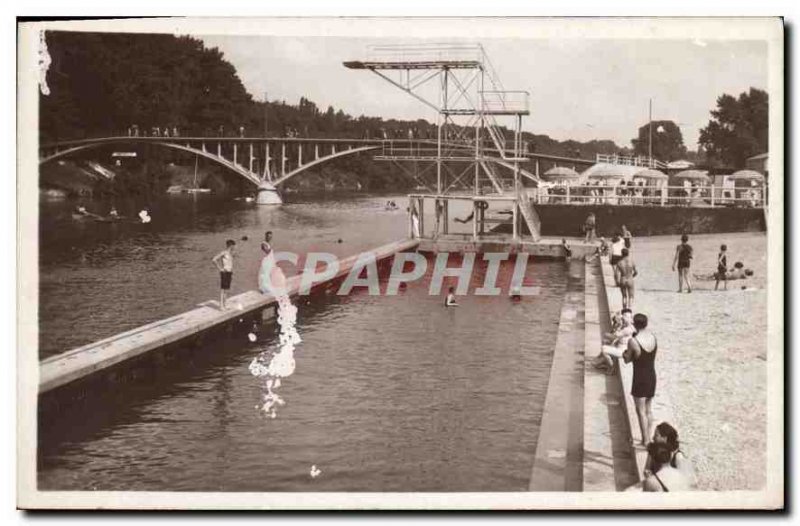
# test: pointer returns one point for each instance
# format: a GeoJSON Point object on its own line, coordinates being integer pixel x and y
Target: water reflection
{"type": "Point", "coordinates": [389, 394]}
{"type": "Point", "coordinates": [99, 279]}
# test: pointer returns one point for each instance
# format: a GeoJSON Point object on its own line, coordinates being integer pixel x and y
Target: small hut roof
{"type": "Point", "coordinates": [561, 172]}
{"type": "Point", "coordinates": [748, 175]}
{"type": "Point", "coordinates": [650, 173]}
{"type": "Point", "coordinates": [692, 174]}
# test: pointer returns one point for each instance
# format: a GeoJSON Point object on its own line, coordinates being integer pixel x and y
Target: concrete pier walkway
{"type": "Point", "coordinates": [87, 360]}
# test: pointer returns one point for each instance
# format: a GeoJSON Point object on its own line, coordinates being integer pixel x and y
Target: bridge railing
{"type": "Point", "coordinates": [651, 195]}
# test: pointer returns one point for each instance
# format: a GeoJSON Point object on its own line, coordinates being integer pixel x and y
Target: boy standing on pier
{"type": "Point", "coordinates": [224, 262]}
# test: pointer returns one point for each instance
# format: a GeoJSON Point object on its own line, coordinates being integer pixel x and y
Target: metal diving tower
{"type": "Point", "coordinates": [459, 82]}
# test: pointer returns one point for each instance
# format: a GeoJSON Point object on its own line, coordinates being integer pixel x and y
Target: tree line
{"type": "Point", "coordinates": [108, 83]}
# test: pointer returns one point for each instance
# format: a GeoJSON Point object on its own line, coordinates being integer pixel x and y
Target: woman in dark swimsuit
{"type": "Point", "coordinates": [642, 348]}
{"type": "Point", "coordinates": [683, 258]}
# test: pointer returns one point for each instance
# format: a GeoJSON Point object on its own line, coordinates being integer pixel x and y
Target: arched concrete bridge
{"type": "Point", "coordinates": [275, 160]}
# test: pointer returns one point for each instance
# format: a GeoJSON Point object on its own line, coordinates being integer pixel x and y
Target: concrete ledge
{"type": "Point", "coordinates": [661, 405]}
{"type": "Point", "coordinates": [545, 247]}
{"type": "Point", "coordinates": [557, 464]}
{"type": "Point", "coordinates": [73, 365]}
{"type": "Point", "coordinates": [598, 452]}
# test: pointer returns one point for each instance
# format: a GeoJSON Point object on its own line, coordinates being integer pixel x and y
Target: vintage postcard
{"type": "Point", "coordinates": [410, 263]}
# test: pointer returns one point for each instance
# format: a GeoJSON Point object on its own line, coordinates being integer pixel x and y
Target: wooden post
{"type": "Point", "coordinates": [712, 196]}
{"type": "Point", "coordinates": [421, 217]}
{"type": "Point", "coordinates": [474, 220]}
{"type": "Point", "coordinates": [266, 160]}
{"type": "Point", "coordinates": [567, 194]}
{"type": "Point", "coordinates": [515, 228]}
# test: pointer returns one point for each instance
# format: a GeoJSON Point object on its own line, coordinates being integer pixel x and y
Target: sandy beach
{"type": "Point", "coordinates": [712, 354]}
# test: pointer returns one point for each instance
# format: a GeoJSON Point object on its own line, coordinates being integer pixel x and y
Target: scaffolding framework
{"type": "Point", "coordinates": [459, 82]}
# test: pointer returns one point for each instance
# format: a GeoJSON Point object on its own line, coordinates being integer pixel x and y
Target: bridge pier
{"type": "Point", "coordinates": [299, 155]}
{"type": "Point", "coordinates": [234, 153]}
{"type": "Point", "coordinates": [283, 159]}
{"type": "Point", "coordinates": [267, 160]}
{"type": "Point", "coordinates": [251, 157]}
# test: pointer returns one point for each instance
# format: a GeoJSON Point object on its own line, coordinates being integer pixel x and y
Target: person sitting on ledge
{"type": "Point", "coordinates": [600, 251]}
{"type": "Point", "coordinates": [616, 341]}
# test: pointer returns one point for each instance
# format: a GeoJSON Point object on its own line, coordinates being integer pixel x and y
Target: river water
{"type": "Point", "coordinates": [389, 393]}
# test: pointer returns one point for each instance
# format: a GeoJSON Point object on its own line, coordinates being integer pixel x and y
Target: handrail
{"type": "Point", "coordinates": [625, 160]}
{"type": "Point", "coordinates": [653, 195]}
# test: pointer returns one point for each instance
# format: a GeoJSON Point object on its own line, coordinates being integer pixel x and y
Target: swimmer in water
{"type": "Point", "coordinates": [450, 301]}
{"type": "Point", "coordinates": [567, 250]}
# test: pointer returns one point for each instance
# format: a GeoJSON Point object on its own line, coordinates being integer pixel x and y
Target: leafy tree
{"type": "Point", "coordinates": [667, 141]}
{"type": "Point", "coordinates": [102, 83]}
{"type": "Point", "coordinates": [739, 128]}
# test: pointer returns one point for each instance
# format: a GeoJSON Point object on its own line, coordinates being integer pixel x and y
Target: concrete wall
{"type": "Point", "coordinates": [567, 220]}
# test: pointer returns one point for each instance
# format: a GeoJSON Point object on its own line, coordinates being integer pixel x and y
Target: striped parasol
{"type": "Point", "coordinates": [561, 173]}
{"type": "Point", "coordinates": [747, 175]}
{"type": "Point", "coordinates": [606, 172]}
{"type": "Point", "coordinates": [692, 175]}
{"type": "Point", "coordinates": [650, 173]}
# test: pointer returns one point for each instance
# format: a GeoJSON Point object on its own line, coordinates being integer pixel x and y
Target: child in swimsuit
{"type": "Point", "coordinates": [722, 267]}
{"type": "Point", "coordinates": [450, 301]}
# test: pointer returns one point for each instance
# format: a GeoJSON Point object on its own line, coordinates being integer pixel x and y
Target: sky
{"type": "Point", "coordinates": [579, 88]}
